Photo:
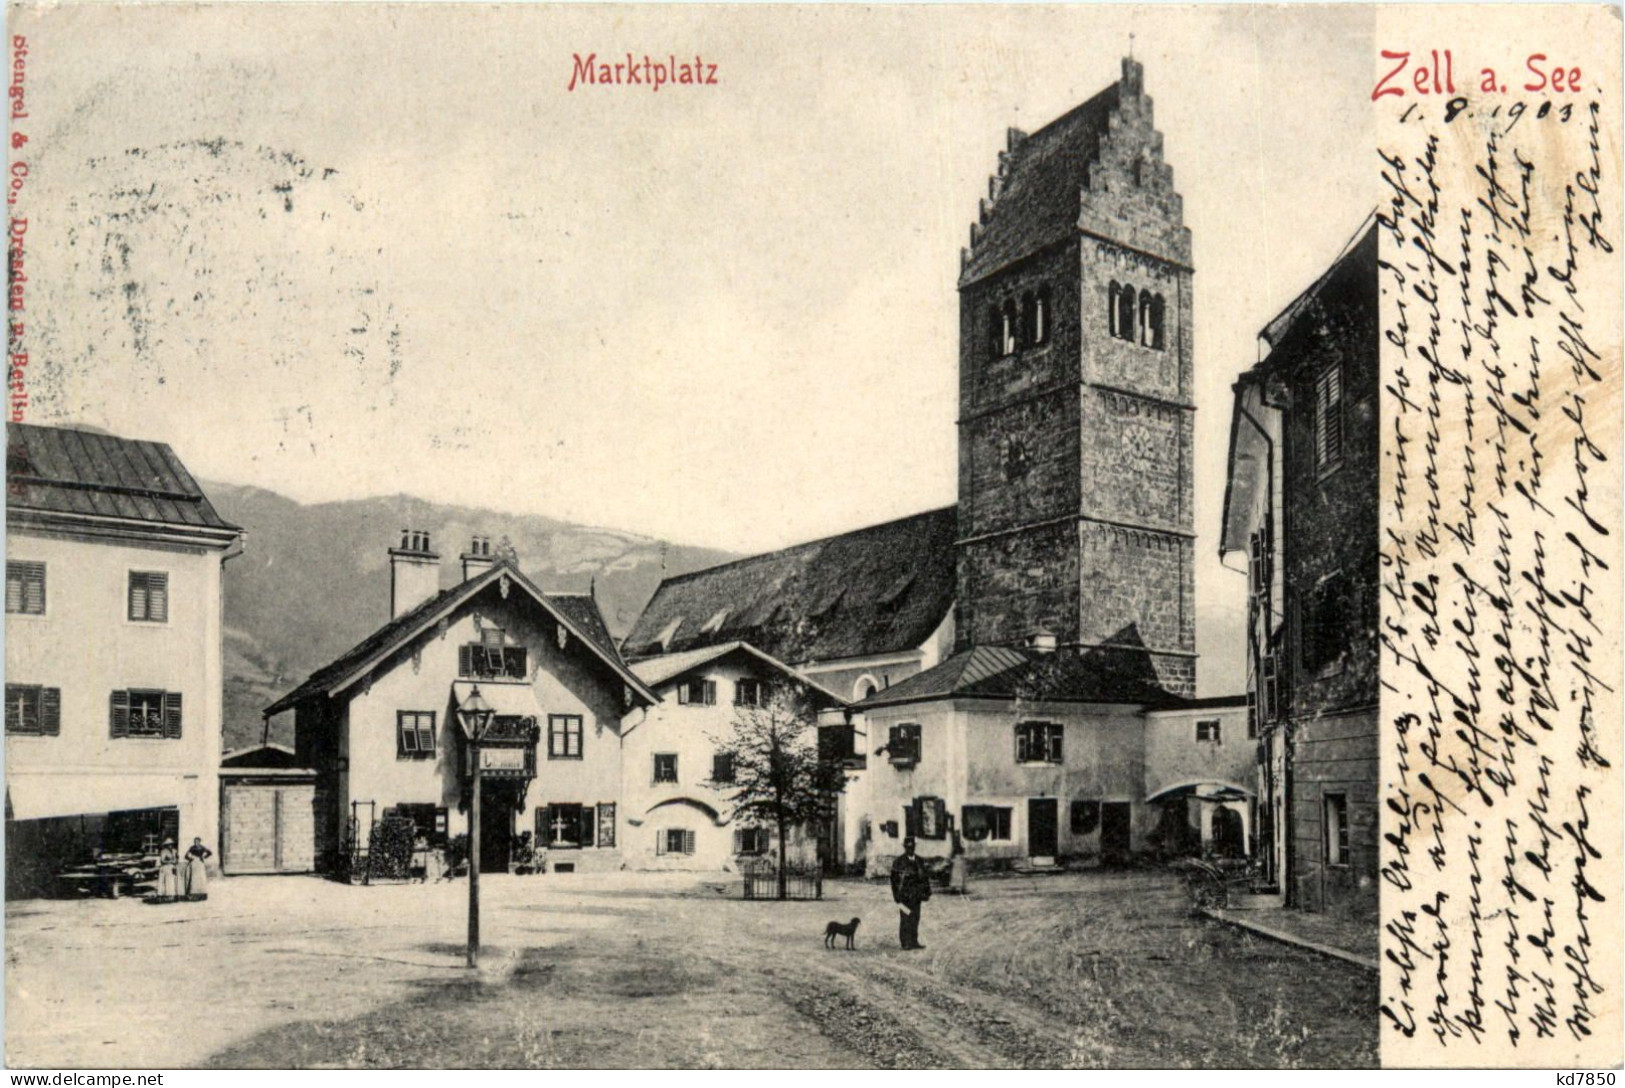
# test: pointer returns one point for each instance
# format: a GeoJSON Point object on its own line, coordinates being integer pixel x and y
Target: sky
{"type": "Point", "coordinates": [357, 250]}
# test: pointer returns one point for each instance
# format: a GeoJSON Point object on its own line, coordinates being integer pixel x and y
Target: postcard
{"type": "Point", "coordinates": [813, 537]}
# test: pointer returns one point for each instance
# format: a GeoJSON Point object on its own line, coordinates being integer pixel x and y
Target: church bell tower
{"type": "Point", "coordinates": [1075, 394]}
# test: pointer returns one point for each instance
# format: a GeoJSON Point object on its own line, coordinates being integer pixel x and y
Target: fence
{"type": "Point", "coordinates": [761, 881]}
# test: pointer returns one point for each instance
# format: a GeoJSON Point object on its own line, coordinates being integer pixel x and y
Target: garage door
{"type": "Point", "coordinates": [268, 828]}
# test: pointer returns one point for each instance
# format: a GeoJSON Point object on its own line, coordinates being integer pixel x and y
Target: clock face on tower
{"type": "Point", "coordinates": [1138, 440]}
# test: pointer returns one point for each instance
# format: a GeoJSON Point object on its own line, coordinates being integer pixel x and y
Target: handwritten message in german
{"type": "Point", "coordinates": [1500, 283]}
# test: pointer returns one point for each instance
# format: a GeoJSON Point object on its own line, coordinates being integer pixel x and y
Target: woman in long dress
{"type": "Point", "coordinates": [169, 876]}
{"type": "Point", "coordinates": [197, 871]}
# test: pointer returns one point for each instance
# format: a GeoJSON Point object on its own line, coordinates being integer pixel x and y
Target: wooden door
{"type": "Point", "coordinates": [1043, 816]}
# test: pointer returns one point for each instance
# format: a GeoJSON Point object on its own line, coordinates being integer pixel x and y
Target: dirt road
{"type": "Point", "coordinates": [640, 970]}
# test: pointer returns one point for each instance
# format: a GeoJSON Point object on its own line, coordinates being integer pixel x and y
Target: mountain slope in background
{"type": "Point", "coordinates": [314, 580]}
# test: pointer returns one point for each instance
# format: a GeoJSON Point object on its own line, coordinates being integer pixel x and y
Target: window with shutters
{"type": "Point", "coordinates": [722, 768]}
{"type": "Point", "coordinates": [149, 596]}
{"type": "Point", "coordinates": [985, 823]}
{"type": "Point", "coordinates": [749, 692]}
{"type": "Point", "coordinates": [665, 767]}
{"type": "Point", "coordinates": [484, 660]}
{"type": "Point", "coordinates": [674, 840]}
{"type": "Point", "coordinates": [751, 840]}
{"type": "Point", "coordinates": [1329, 419]}
{"type": "Point", "coordinates": [142, 712]}
{"type": "Point", "coordinates": [697, 692]}
{"type": "Point", "coordinates": [427, 820]}
{"type": "Point", "coordinates": [903, 743]}
{"type": "Point", "coordinates": [564, 736]}
{"type": "Point", "coordinates": [927, 818]}
{"type": "Point", "coordinates": [25, 588]}
{"type": "Point", "coordinates": [414, 734]}
{"type": "Point", "coordinates": [565, 826]}
{"type": "Point", "coordinates": [32, 710]}
{"type": "Point", "coordinates": [1038, 742]}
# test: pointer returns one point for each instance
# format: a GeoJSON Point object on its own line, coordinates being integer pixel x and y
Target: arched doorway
{"type": "Point", "coordinates": [1229, 834]}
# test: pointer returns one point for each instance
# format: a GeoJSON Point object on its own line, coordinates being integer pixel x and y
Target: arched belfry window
{"type": "Point", "coordinates": [1124, 312]}
{"type": "Point", "coordinates": [1158, 340]}
{"type": "Point", "coordinates": [1111, 307]}
{"type": "Point", "coordinates": [1007, 328]}
{"type": "Point", "coordinates": [1041, 316]}
{"type": "Point", "coordinates": [1145, 318]}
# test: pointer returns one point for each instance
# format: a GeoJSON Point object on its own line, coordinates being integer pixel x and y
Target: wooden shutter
{"type": "Point", "coordinates": [1055, 743]}
{"type": "Point", "coordinates": [589, 818]}
{"type": "Point", "coordinates": [158, 597]}
{"type": "Point", "coordinates": [660, 842]}
{"type": "Point", "coordinates": [739, 842]}
{"type": "Point", "coordinates": [50, 713]}
{"type": "Point", "coordinates": [1329, 417]}
{"type": "Point", "coordinates": [682, 694]}
{"type": "Point", "coordinates": [541, 824]}
{"type": "Point", "coordinates": [119, 725]}
{"type": "Point", "coordinates": [465, 660]}
{"type": "Point", "coordinates": [172, 715]}
{"type": "Point", "coordinates": [710, 693]}
{"type": "Point", "coordinates": [688, 842]}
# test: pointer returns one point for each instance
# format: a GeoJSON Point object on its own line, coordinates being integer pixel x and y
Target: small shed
{"type": "Point", "coordinates": [267, 812]}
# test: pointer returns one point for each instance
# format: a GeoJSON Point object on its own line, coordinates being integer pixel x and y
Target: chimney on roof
{"type": "Point", "coordinates": [1041, 640]}
{"type": "Point", "coordinates": [414, 572]}
{"type": "Point", "coordinates": [478, 559]}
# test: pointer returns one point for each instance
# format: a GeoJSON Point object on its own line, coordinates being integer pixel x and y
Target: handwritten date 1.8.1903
{"type": "Point", "coordinates": [1434, 73]}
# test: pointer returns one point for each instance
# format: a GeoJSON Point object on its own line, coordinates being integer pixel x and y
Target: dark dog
{"type": "Point", "coordinates": [849, 930]}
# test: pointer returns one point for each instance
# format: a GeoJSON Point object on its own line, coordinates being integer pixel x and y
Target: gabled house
{"type": "Point", "coordinates": [1034, 756]}
{"type": "Point", "coordinates": [677, 784]}
{"type": "Point", "coordinates": [379, 725]}
{"type": "Point", "coordinates": [1301, 509]}
{"type": "Point", "coordinates": [854, 613]}
{"type": "Point", "coordinates": [113, 650]}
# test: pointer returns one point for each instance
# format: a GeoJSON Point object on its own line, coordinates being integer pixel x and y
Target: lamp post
{"type": "Point", "coordinates": [475, 714]}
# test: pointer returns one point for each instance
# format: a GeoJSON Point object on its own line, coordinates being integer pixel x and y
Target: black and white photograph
{"type": "Point", "coordinates": [812, 537]}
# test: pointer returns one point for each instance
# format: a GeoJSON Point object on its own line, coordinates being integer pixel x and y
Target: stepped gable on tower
{"type": "Point", "coordinates": [1037, 197]}
{"type": "Point", "coordinates": [1076, 419]}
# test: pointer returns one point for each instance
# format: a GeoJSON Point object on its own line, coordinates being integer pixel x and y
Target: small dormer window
{"type": "Point", "coordinates": [894, 592]}
{"type": "Point", "coordinates": [668, 633]}
{"type": "Point", "coordinates": [715, 622]}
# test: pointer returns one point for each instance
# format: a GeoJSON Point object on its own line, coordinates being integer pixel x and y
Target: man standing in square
{"type": "Point", "coordinates": [911, 887]}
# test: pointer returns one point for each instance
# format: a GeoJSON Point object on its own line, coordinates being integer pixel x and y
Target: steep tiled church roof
{"type": "Point", "coordinates": [1036, 201]}
{"type": "Point", "coordinates": [876, 590]}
